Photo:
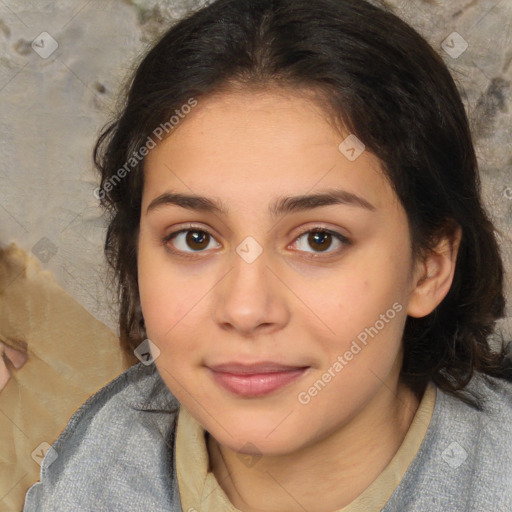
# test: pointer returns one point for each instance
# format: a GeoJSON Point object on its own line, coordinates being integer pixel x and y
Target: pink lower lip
{"type": "Point", "coordinates": [256, 384]}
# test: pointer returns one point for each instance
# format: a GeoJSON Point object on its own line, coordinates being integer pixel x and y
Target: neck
{"type": "Point", "coordinates": [338, 468]}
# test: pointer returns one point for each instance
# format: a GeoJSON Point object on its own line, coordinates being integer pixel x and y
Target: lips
{"type": "Point", "coordinates": [255, 380]}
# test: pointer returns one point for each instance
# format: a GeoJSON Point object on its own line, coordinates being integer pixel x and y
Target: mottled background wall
{"type": "Point", "coordinates": [53, 101]}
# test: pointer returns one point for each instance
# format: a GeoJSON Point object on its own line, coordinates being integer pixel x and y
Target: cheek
{"type": "Point", "coordinates": [168, 309]}
{"type": "Point", "coordinates": [368, 315]}
{"type": "Point", "coordinates": [161, 296]}
{"type": "Point", "coordinates": [172, 308]}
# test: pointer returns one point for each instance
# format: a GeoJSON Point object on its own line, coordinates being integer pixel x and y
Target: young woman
{"type": "Point", "coordinates": [306, 272]}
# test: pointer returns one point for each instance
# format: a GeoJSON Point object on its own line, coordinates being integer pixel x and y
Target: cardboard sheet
{"type": "Point", "coordinates": [69, 356]}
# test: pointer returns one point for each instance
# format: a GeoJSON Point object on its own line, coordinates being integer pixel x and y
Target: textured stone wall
{"type": "Point", "coordinates": [62, 61]}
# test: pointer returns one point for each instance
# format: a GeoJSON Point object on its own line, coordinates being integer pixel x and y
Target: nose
{"type": "Point", "coordinates": [251, 299]}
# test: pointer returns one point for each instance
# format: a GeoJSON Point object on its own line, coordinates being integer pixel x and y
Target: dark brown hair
{"type": "Point", "coordinates": [378, 78]}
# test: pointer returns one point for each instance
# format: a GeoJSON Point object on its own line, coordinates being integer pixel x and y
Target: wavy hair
{"type": "Point", "coordinates": [373, 75]}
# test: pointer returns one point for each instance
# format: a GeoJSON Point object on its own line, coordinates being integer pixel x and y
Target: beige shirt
{"type": "Point", "coordinates": [200, 490]}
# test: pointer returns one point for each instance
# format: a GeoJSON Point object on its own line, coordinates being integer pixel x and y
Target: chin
{"type": "Point", "coordinates": [258, 445]}
{"type": "Point", "coordinates": [261, 438]}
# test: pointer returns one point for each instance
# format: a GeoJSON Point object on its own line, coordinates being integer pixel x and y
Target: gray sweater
{"type": "Point", "coordinates": [116, 453]}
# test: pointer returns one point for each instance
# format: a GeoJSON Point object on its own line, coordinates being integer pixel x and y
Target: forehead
{"type": "Point", "coordinates": [249, 122]}
{"type": "Point", "coordinates": [261, 142]}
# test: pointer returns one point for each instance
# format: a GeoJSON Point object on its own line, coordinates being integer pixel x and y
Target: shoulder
{"type": "Point", "coordinates": [116, 452]}
{"type": "Point", "coordinates": [465, 460]}
{"type": "Point", "coordinates": [491, 405]}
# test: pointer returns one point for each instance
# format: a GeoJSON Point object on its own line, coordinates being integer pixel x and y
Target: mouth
{"type": "Point", "coordinates": [255, 380]}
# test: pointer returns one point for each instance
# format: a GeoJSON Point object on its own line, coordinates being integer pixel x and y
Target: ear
{"type": "Point", "coordinates": [434, 275]}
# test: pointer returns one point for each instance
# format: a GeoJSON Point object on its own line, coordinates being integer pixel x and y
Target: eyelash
{"type": "Point", "coordinates": [193, 255]}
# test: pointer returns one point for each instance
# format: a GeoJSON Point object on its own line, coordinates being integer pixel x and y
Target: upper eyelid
{"type": "Point", "coordinates": [175, 232]}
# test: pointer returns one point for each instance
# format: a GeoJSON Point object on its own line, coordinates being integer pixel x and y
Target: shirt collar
{"type": "Point", "coordinates": [199, 489]}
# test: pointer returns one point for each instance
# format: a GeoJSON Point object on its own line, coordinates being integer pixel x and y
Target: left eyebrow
{"type": "Point", "coordinates": [291, 204]}
{"type": "Point", "coordinates": [282, 205]}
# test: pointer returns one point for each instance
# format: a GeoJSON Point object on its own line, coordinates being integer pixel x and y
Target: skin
{"type": "Point", "coordinates": [295, 304]}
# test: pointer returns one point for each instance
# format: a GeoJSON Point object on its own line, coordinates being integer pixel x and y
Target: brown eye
{"type": "Point", "coordinates": [320, 240]}
{"type": "Point", "coordinates": [197, 239]}
{"type": "Point", "coordinates": [189, 240]}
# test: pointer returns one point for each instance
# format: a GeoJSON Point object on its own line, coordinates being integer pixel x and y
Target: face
{"type": "Point", "coordinates": [277, 317]}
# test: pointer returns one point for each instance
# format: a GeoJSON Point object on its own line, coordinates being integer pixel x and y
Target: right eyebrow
{"type": "Point", "coordinates": [190, 202]}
